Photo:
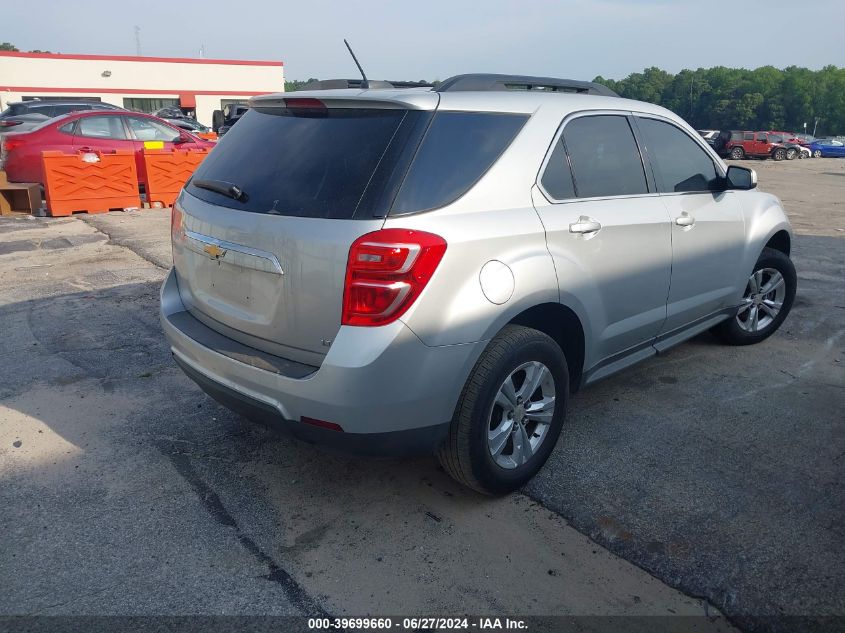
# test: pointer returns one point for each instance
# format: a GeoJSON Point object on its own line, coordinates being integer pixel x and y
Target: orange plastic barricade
{"type": "Point", "coordinates": [166, 172]}
{"type": "Point", "coordinates": [90, 181]}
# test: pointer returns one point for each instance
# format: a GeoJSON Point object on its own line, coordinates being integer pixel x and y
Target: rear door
{"type": "Point", "coordinates": [708, 230]}
{"type": "Point", "coordinates": [101, 133]}
{"type": "Point", "coordinates": [268, 268]}
{"type": "Point", "coordinates": [608, 233]}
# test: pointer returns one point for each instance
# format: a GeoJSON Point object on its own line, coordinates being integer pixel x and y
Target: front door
{"type": "Point", "coordinates": [609, 236]}
{"type": "Point", "coordinates": [708, 231]}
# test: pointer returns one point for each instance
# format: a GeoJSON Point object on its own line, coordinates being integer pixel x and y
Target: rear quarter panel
{"type": "Point", "coordinates": [494, 221]}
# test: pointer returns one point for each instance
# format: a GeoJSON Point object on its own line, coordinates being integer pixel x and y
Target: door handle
{"type": "Point", "coordinates": [85, 149]}
{"type": "Point", "coordinates": [685, 219]}
{"type": "Point", "coordinates": [585, 225]}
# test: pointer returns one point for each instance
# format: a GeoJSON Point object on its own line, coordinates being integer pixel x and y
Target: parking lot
{"type": "Point", "coordinates": [706, 480]}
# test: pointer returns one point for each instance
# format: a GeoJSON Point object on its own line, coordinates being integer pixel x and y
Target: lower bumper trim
{"type": "Point", "coordinates": [419, 441]}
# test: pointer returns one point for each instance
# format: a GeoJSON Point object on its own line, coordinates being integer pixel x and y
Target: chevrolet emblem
{"type": "Point", "coordinates": [214, 251]}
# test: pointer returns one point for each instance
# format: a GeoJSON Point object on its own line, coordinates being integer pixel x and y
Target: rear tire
{"type": "Point", "coordinates": [474, 452]}
{"type": "Point", "coordinates": [737, 153]}
{"type": "Point", "coordinates": [791, 153]}
{"type": "Point", "coordinates": [761, 313]}
{"type": "Point", "coordinates": [216, 120]}
{"type": "Point", "coordinates": [779, 154]}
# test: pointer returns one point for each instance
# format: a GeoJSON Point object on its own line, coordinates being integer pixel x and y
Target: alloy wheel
{"type": "Point", "coordinates": [521, 414]}
{"type": "Point", "coordinates": [763, 300]}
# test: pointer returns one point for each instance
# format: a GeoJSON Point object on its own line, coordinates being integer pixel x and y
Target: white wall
{"type": "Point", "coordinates": [210, 80]}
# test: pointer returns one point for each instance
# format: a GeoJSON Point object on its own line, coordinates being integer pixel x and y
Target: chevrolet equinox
{"type": "Point", "coordinates": [392, 271]}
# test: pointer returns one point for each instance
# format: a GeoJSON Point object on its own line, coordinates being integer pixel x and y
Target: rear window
{"type": "Point", "coordinates": [313, 163]}
{"type": "Point", "coordinates": [347, 163]}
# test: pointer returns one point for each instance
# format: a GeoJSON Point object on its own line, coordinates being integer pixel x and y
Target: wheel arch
{"type": "Point", "coordinates": [780, 241]}
{"type": "Point", "coordinates": [562, 324]}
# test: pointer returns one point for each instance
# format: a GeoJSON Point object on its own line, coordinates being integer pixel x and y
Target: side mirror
{"type": "Point", "coordinates": [181, 140]}
{"type": "Point", "coordinates": [741, 178]}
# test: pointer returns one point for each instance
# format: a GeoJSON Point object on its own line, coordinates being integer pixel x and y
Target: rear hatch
{"type": "Point", "coordinates": [263, 229]}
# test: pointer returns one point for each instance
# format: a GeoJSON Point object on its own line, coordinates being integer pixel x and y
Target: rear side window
{"type": "Point", "coordinates": [304, 162]}
{"type": "Point", "coordinates": [679, 162]}
{"type": "Point", "coordinates": [604, 157]}
{"type": "Point", "coordinates": [557, 178]}
{"type": "Point", "coordinates": [457, 150]}
{"type": "Point", "coordinates": [110, 127]}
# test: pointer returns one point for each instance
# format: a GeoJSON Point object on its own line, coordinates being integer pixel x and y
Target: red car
{"type": "Point", "coordinates": [100, 131]}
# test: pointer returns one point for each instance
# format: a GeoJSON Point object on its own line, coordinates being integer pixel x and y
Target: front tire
{"type": "Point", "coordinates": [767, 300]}
{"type": "Point", "coordinates": [817, 154]}
{"type": "Point", "coordinates": [510, 413]}
{"type": "Point", "coordinates": [737, 153]}
{"type": "Point", "coordinates": [779, 154]}
{"type": "Point", "coordinates": [791, 153]}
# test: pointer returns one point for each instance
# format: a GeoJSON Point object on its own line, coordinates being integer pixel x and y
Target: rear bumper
{"type": "Point", "coordinates": [390, 393]}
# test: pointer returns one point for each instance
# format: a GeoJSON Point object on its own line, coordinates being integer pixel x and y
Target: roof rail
{"type": "Point", "coordinates": [334, 84]}
{"type": "Point", "coordinates": [490, 82]}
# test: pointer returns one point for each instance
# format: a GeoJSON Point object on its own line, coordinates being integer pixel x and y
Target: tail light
{"type": "Point", "coordinates": [386, 272]}
{"type": "Point", "coordinates": [177, 230]}
{"type": "Point", "coordinates": [12, 144]}
{"type": "Point", "coordinates": [10, 123]}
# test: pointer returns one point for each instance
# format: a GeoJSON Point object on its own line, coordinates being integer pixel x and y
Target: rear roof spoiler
{"type": "Point", "coordinates": [491, 82]}
{"type": "Point", "coordinates": [335, 84]}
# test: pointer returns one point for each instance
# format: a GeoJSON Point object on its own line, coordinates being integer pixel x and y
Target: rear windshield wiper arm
{"type": "Point", "coordinates": [223, 188]}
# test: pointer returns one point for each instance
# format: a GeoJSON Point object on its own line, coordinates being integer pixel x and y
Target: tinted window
{"type": "Point", "coordinates": [458, 148]}
{"type": "Point", "coordinates": [604, 157]}
{"type": "Point", "coordinates": [64, 109]}
{"type": "Point", "coordinates": [101, 127]}
{"type": "Point", "coordinates": [748, 136]}
{"type": "Point", "coordinates": [302, 162]}
{"type": "Point", "coordinates": [761, 136]}
{"type": "Point", "coordinates": [680, 164]}
{"type": "Point", "coordinates": [145, 129]}
{"type": "Point", "coordinates": [67, 128]}
{"type": "Point", "coordinates": [557, 178]}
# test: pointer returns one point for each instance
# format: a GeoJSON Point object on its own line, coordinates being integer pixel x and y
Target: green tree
{"type": "Point", "coordinates": [766, 98]}
{"type": "Point", "coordinates": [6, 46]}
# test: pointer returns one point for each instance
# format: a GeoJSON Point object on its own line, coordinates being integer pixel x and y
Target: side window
{"type": "Point", "coordinates": [557, 178]}
{"type": "Point", "coordinates": [748, 136]}
{"type": "Point", "coordinates": [761, 136]}
{"type": "Point", "coordinates": [458, 148]}
{"type": "Point", "coordinates": [679, 162]}
{"type": "Point", "coordinates": [67, 128]}
{"type": "Point", "coordinates": [110, 127]}
{"type": "Point", "coordinates": [604, 157]}
{"type": "Point", "coordinates": [46, 110]}
{"type": "Point", "coordinates": [145, 129]}
{"type": "Point", "coordinates": [64, 109]}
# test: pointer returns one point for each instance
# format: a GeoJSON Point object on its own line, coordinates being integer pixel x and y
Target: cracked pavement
{"type": "Point", "coordinates": [707, 479]}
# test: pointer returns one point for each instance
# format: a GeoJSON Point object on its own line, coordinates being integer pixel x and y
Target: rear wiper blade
{"type": "Point", "coordinates": [223, 188]}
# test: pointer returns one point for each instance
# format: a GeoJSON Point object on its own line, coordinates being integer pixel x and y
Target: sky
{"type": "Point", "coordinates": [434, 39]}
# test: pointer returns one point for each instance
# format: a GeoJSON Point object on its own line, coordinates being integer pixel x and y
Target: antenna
{"type": "Point", "coordinates": [365, 84]}
{"type": "Point", "coordinates": [138, 40]}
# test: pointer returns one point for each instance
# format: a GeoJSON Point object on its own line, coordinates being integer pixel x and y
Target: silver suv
{"type": "Point", "coordinates": [436, 270]}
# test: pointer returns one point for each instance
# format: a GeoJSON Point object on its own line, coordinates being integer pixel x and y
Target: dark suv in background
{"type": "Point", "coordinates": [222, 120]}
{"type": "Point", "coordinates": [25, 115]}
